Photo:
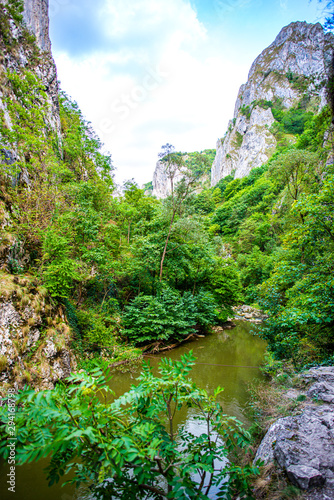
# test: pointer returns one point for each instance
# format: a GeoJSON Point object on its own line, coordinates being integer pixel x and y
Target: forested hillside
{"type": "Point", "coordinates": [82, 266]}
{"type": "Point", "coordinates": [94, 275]}
{"type": "Point", "coordinates": [123, 271]}
{"type": "Point", "coordinates": [278, 226]}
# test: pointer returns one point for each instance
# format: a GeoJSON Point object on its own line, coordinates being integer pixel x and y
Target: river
{"type": "Point", "coordinates": [229, 359]}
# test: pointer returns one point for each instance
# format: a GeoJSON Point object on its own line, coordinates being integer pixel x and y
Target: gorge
{"type": "Point", "coordinates": [93, 277]}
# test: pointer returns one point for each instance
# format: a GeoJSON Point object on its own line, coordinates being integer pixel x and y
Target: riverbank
{"type": "Point", "coordinates": [293, 434]}
{"type": "Point", "coordinates": [229, 359]}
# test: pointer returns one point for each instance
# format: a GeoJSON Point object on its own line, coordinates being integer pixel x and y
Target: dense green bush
{"type": "Point", "coordinates": [169, 315]}
{"type": "Point", "coordinates": [293, 121]}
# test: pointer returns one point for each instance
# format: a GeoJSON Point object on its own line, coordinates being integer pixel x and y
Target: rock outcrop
{"type": "Point", "coordinates": [196, 165]}
{"type": "Point", "coordinates": [294, 65]}
{"type": "Point", "coordinates": [34, 337]}
{"type": "Point", "coordinates": [19, 54]}
{"type": "Point", "coordinates": [161, 182]}
{"type": "Point", "coordinates": [303, 445]}
{"type": "Point", "coordinates": [248, 313]}
{"type": "Point", "coordinates": [36, 17]}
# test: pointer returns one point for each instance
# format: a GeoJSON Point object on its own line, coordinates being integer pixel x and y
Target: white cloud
{"type": "Point", "coordinates": [155, 85]}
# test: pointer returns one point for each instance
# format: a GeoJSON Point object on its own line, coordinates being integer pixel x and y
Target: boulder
{"type": "Point", "coordinates": [323, 391]}
{"type": "Point", "coordinates": [321, 373]}
{"type": "Point", "coordinates": [304, 477]}
{"type": "Point", "coordinates": [303, 446]}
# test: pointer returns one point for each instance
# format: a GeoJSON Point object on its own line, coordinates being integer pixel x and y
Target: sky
{"type": "Point", "coordinates": [148, 72]}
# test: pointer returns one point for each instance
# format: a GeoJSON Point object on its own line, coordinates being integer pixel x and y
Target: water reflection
{"type": "Point", "coordinates": [228, 359]}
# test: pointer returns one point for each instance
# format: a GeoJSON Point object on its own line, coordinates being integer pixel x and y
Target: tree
{"type": "Point", "coordinates": [299, 293]}
{"type": "Point", "coordinates": [173, 164]}
{"type": "Point", "coordinates": [132, 447]}
{"type": "Point", "coordinates": [296, 169]}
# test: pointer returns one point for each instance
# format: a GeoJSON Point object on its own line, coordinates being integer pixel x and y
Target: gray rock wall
{"type": "Point", "coordinates": [303, 445]}
{"type": "Point", "coordinates": [36, 17]}
{"type": "Point", "coordinates": [301, 49]}
{"type": "Point", "coordinates": [161, 182]}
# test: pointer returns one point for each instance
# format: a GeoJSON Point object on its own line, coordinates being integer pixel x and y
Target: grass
{"type": "Point", "coordinates": [3, 363]}
{"type": "Point", "coordinates": [272, 485]}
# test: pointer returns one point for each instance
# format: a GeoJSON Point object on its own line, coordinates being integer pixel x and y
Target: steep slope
{"type": "Point", "coordinates": [34, 335]}
{"type": "Point", "coordinates": [288, 75]}
{"type": "Point", "coordinates": [36, 17]}
{"type": "Point", "coordinates": [26, 47]}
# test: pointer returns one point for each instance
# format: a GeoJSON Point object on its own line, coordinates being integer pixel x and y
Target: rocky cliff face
{"type": "Point", "coordinates": [36, 17]}
{"type": "Point", "coordinates": [161, 183]}
{"type": "Point", "coordinates": [20, 53]}
{"type": "Point", "coordinates": [34, 336]}
{"type": "Point", "coordinates": [293, 66]}
{"type": "Point", "coordinates": [196, 164]}
{"type": "Point", "coordinates": [302, 445]}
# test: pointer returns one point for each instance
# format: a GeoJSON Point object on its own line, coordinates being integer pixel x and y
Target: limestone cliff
{"type": "Point", "coordinates": [36, 17]}
{"type": "Point", "coordinates": [34, 336]}
{"type": "Point", "coordinates": [199, 163]}
{"type": "Point", "coordinates": [161, 183]}
{"type": "Point", "coordinates": [20, 52]}
{"type": "Point", "coordinates": [293, 66]}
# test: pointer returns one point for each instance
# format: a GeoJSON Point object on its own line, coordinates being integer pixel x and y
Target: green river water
{"type": "Point", "coordinates": [229, 359]}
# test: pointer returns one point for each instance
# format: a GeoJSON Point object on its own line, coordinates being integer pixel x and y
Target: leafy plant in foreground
{"type": "Point", "coordinates": [131, 447]}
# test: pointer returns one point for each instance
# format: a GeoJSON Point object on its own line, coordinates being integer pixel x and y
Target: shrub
{"type": "Point", "coordinates": [169, 315]}
{"type": "Point", "coordinates": [132, 447]}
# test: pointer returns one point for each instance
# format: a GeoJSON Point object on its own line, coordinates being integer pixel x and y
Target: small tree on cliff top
{"type": "Point", "coordinates": [173, 165]}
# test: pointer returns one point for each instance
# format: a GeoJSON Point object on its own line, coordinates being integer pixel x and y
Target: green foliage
{"type": "Point", "coordinates": [223, 183]}
{"type": "Point", "coordinates": [299, 294]}
{"type": "Point", "coordinates": [262, 220]}
{"type": "Point", "coordinates": [205, 201]}
{"type": "Point", "coordinates": [167, 316]}
{"type": "Point", "coordinates": [246, 111]}
{"type": "Point", "coordinates": [217, 195]}
{"type": "Point", "coordinates": [200, 163]}
{"type": "Point", "coordinates": [164, 269]}
{"type": "Point", "coordinates": [315, 129]}
{"type": "Point", "coordinates": [299, 82]}
{"type": "Point", "coordinates": [11, 12]}
{"type": "Point", "coordinates": [263, 103]}
{"type": "Point", "coordinates": [238, 140]}
{"type": "Point", "coordinates": [15, 9]}
{"type": "Point", "coordinates": [292, 121]}
{"type": "Point", "coordinates": [148, 186]}
{"type": "Point", "coordinates": [132, 445]}
{"type": "Point", "coordinates": [81, 147]}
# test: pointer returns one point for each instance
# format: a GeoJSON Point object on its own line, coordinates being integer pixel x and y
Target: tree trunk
{"type": "Point", "coordinates": [129, 229]}
{"type": "Point", "coordinates": [166, 244]}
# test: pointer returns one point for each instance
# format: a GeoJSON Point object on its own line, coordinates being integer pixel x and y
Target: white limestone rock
{"type": "Point", "coordinates": [303, 446]}
{"type": "Point", "coordinates": [161, 182]}
{"type": "Point", "coordinates": [36, 17]}
{"type": "Point", "coordinates": [301, 49]}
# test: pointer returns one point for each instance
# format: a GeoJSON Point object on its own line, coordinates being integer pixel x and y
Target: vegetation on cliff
{"type": "Point", "coordinates": [112, 273]}
{"type": "Point", "coordinates": [278, 225]}
{"type": "Point", "coordinates": [98, 253]}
